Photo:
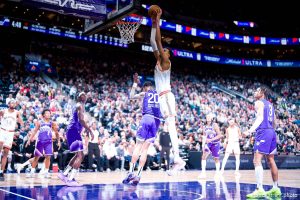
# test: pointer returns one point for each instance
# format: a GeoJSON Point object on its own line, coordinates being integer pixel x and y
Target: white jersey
{"type": "Point", "coordinates": [233, 134]}
{"type": "Point", "coordinates": [9, 120]}
{"type": "Point", "coordinates": [162, 79]}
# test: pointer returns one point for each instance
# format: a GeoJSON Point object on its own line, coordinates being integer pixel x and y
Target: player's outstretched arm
{"type": "Point", "coordinates": [132, 94]}
{"type": "Point", "coordinates": [152, 38]}
{"type": "Point", "coordinates": [165, 61]}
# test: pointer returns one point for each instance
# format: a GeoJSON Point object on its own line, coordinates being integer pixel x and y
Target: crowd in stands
{"type": "Point", "coordinates": [107, 83]}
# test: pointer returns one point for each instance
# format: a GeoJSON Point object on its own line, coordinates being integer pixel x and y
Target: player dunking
{"type": "Point", "coordinates": [148, 128]}
{"type": "Point", "coordinates": [162, 75]}
{"type": "Point", "coordinates": [10, 117]}
{"type": "Point", "coordinates": [211, 144]}
{"type": "Point", "coordinates": [75, 142]}
{"type": "Point", "coordinates": [265, 144]}
{"type": "Point", "coordinates": [43, 145]}
{"type": "Point", "coordinates": [233, 135]}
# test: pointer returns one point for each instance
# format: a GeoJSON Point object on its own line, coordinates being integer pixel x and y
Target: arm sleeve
{"type": "Point", "coordinates": [152, 39]}
{"type": "Point", "coordinates": [259, 118]}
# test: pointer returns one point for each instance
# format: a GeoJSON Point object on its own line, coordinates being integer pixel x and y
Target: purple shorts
{"type": "Point", "coordinates": [214, 149]}
{"type": "Point", "coordinates": [43, 147]}
{"type": "Point", "coordinates": [148, 128]}
{"type": "Point", "coordinates": [265, 141]}
{"type": "Point", "coordinates": [74, 140]}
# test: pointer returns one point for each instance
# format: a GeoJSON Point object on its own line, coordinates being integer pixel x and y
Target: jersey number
{"type": "Point", "coordinates": [153, 98]}
{"type": "Point", "coordinates": [270, 118]}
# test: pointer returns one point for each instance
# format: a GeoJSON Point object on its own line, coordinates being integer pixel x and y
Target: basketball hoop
{"type": "Point", "coordinates": [128, 26]}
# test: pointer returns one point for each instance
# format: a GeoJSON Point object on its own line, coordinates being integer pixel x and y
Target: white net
{"type": "Point", "coordinates": [128, 26]}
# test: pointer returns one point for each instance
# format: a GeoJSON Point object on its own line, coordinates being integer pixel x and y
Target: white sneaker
{"type": "Point", "coordinates": [19, 168]}
{"type": "Point", "coordinates": [30, 175]}
{"type": "Point", "coordinates": [202, 175]}
{"type": "Point", "coordinates": [47, 175]}
{"type": "Point", "coordinates": [170, 172]}
{"type": "Point", "coordinates": [179, 165]}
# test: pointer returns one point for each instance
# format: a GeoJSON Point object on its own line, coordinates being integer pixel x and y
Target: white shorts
{"type": "Point", "coordinates": [233, 147]}
{"type": "Point", "coordinates": [7, 138]}
{"type": "Point", "coordinates": [167, 104]}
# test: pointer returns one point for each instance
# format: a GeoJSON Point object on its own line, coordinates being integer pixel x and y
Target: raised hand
{"type": "Point", "coordinates": [136, 78]}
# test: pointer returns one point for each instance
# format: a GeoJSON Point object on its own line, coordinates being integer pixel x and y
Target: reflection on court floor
{"type": "Point", "coordinates": [217, 189]}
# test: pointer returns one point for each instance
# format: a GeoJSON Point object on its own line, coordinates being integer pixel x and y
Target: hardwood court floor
{"type": "Point", "coordinates": [153, 185]}
{"type": "Point", "coordinates": [287, 178]}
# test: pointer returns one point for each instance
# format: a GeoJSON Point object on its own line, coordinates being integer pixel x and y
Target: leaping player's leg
{"type": "Point", "coordinates": [75, 145]}
{"type": "Point", "coordinates": [135, 156]}
{"type": "Point", "coordinates": [169, 105]}
{"type": "Point", "coordinates": [142, 161]}
{"type": "Point", "coordinates": [75, 168]}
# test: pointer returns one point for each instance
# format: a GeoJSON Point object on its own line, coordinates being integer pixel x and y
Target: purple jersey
{"type": "Point", "coordinates": [74, 121]}
{"type": "Point", "coordinates": [45, 131]}
{"type": "Point", "coordinates": [268, 119]}
{"type": "Point", "coordinates": [210, 133]}
{"type": "Point", "coordinates": [151, 104]}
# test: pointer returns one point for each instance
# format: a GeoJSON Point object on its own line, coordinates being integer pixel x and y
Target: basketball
{"type": "Point", "coordinates": [153, 10]}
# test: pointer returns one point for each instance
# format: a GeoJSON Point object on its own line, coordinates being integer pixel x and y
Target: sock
{"type": "Point", "coordinates": [132, 166]}
{"type": "Point", "coordinates": [72, 174]}
{"type": "Point", "coordinates": [275, 184]}
{"type": "Point", "coordinates": [217, 166]}
{"type": "Point", "coordinates": [259, 176]}
{"type": "Point", "coordinates": [140, 169]}
{"type": "Point", "coordinates": [67, 170]}
{"type": "Point", "coordinates": [1, 171]}
{"type": "Point", "coordinates": [203, 165]}
{"type": "Point", "coordinates": [46, 170]}
{"type": "Point", "coordinates": [225, 161]}
{"type": "Point", "coordinates": [32, 171]}
{"type": "Point", "coordinates": [237, 163]}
